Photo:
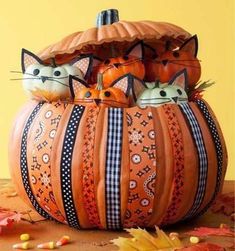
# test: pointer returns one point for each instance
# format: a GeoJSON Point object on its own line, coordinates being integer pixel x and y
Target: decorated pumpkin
{"type": "Point", "coordinates": [112, 167]}
{"type": "Point", "coordinates": [169, 93]}
{"type": "Point", "coordinates": [117, 95]}
{"type": "Point", "coordinates": [172, 61]}
{"type": "Point", "coordinates": [50, 82]}
{"type": "Point", "coordinates": [130, 63]}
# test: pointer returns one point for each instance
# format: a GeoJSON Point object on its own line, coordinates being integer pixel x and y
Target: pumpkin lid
{"type": "Point", "coordinates": [110, 30]}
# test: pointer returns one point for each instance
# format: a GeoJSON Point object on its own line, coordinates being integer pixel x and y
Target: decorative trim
{"type": "Point", "coordinates": [218, 147]}
{"type": "Point", "coordinates": [24, 163]}
{"type": "Point", "coordinates": [113, 168]}
{"type": "Point", "coordinates": [66, 164]}
{"type": "Point", "coordinates": [203, 163]}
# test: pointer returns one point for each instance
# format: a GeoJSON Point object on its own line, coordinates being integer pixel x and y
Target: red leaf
{"type": "Point", "coordinates": [8, 217]}
{"type": "Point", "coordinates": [207, 231]}
{"type": "Point", "coordinates": [203, 247]}
{"type": "Point", "coordinates": [224, 204]}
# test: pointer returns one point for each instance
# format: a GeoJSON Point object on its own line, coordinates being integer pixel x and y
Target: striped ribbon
{"type": "Point", "coordinates": [203, 163]}
{"type": "Point", "coordinates": [113, 168]}
{"type": "Point", "coordinates": [66, 165]}
{"type": "Point", "coordinates": [24, 163]}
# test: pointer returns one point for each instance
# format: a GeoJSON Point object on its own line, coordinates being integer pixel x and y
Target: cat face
{"type": "Point", "coordinates": [113, 96]}
{"type": "Point", "coordinates": [173, 92]}
{"type": "Point", "coordinates": [130, 63]}
{"type": "Point", "coordinates": [171, 62]}
{"type": "Point", "coordinates": [50, 83]}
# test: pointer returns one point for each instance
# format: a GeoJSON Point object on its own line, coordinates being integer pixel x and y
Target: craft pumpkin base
{"type": "Point", "coordinates": [112, 168]}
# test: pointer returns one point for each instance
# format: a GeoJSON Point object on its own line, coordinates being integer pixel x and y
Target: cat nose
{"type": "Point", "coordinates": [117, 65]}
{"type": "Point", "coordinates": [97, 101]}
{"type": "Point", "coordinates": [44, 78]}
{"type": "Point", "coordinates": [175, 99]}
{"type": "Point", "coordinates": [164, 61]}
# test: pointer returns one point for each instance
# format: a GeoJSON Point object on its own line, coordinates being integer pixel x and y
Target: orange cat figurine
{"type": "Point", "coordinates": [117, 95]}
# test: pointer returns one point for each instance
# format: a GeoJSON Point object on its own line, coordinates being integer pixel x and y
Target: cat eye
{"type": "Point", "coordinates": [107, 94]}
{"type": "Point", "coordinates": [57, 73]}
{"type": "Point", "coordinates": [176, 54]}
{"type": "Point", "coordinates": [36, 72]}
{"type": "Point", "coordinates": [179, 91]}
{"type": "Point", "coordinates": [163, 93]}
{"type": "Point", "coordinates": [125, 57]}
{"type": "Point", "coordinates": [87, 94]}
{"type": "Point", "coordinates": [107, 61]}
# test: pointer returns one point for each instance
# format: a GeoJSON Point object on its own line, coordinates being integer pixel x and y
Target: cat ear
{"type": "Point", "coordinates": [136, 50]}
{"type": "Point", "coordinates": [180, 79]}
{"type": "Point", "coordinates": [76, 85]}
{"type": "Point", "coordinates": [190, 45]}
{"type": "Point", "coordinates": [28, 58]}
{"type": "Point", "coordinates": [123, 83]}
{"type": "Point", "coordinates": [85, 64]}
{"type": "Point", "coordinates": [138, 86]}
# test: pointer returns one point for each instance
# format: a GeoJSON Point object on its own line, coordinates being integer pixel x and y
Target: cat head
{"type": "Point", "coordinates": [117, 95]}
{"type": "Point", "coordinates": [158, 94]}
{"type": "Point", "coordinates": [129, 63]}
{"type": "Point", "coordinates": [51, 82]}
{"type": "Point", "coordinates": [172, 61]}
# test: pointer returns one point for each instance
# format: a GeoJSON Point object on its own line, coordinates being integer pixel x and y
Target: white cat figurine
{"type": "Point", "coordinates": [156, 94]}
{"type": "Point", "coordinates": [51, 82]}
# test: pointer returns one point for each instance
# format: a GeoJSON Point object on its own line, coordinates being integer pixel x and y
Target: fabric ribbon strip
{"type": "Point", "coordinates": [66, 164]}
{"type": "Point", "coordinates": [203, 163]}
{"type": "Point", "coordinates": [24, 164]}
{"type": "Point", "coordinates": [142, 167]}
{"type": "Point", "coordinates": [218, 147]}
{"type": "Point", "coordinates": [88, 185]}
{"type": "Point", "coordinates": [178, 154]}
{"type": "Point", "coordinates": [113, 168]}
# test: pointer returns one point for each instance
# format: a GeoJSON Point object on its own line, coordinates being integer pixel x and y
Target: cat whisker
{"type": "Point", "coordinates": [192, 60]}
{"type": "Point", "coordinates": [22, 78]}
{"type": "Point", "coordinates": [58, 82]}
{"type": "Point", "coordinates": [186, 65]}
{"type": "Point", "coordinates": [26, 73]}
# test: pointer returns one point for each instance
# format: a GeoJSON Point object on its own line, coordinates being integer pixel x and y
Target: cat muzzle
{"type": "Point", "coordinates": [97, 101]}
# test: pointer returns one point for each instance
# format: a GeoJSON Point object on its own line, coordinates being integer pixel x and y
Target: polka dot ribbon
{"type": "Point", "coordinates": [66, 165]}
{"type": "Point", "coordinates": [24, 163]}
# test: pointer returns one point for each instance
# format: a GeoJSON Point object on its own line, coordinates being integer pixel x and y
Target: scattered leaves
{"type": "Point", "coordinates": [198, 90]}
{"type": "Point", "coordinates": [8, 217]}
{"type": "Point", "coordinates": [141, 240]}
{"type": "Point", "coordinates": [209, 231]}
{"type": "Point", "coordinates": [203, 247]}
{"type": "Point", "coordinates": [224, 204]}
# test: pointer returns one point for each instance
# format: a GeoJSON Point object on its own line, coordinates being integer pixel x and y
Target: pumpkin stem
{"type": "Point", "coordinates": [107, 17]}
{"type": "Point", "coordinates": [99, 85]}
{"type": "Point", "coordinates": [157, 83]}
{"type": "Point", "coordinates": [53, 63]}
{"type": "Point", "coordinates": [168, 45]}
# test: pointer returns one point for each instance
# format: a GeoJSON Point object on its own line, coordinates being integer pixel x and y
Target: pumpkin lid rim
{"type": "Point", "coordinates": [51, 51]}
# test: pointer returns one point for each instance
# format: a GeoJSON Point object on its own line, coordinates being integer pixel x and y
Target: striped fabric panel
{"type": "Point", "coordinates": [24, 163]}
{"type": "Point", "coordinates": [203, 163]}
{"type": "Point", "coordinates": [66, 163]}
{"type": "Point", "coordinates": [113, 168]}
{"type": "Point", "coordinates": [218, 147]}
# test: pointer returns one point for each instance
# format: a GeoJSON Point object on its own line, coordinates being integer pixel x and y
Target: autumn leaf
{"type": "Point", "coordinates": [141, 240]}
{"type": "Point", "coordinates": [203, 247]}
{"type": "Point", "coordinates": [207, 231]}
{"type": "Point", "coordinates": [8, 217]}
{"type": "Point", "coordinates": [224, 204]}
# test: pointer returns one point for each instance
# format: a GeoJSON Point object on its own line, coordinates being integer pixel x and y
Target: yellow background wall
{"type": "Point", "coordinates": [36, 24]}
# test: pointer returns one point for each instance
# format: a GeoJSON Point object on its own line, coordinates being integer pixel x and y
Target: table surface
{"type": "Point", "coordinates": [90, 240]}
